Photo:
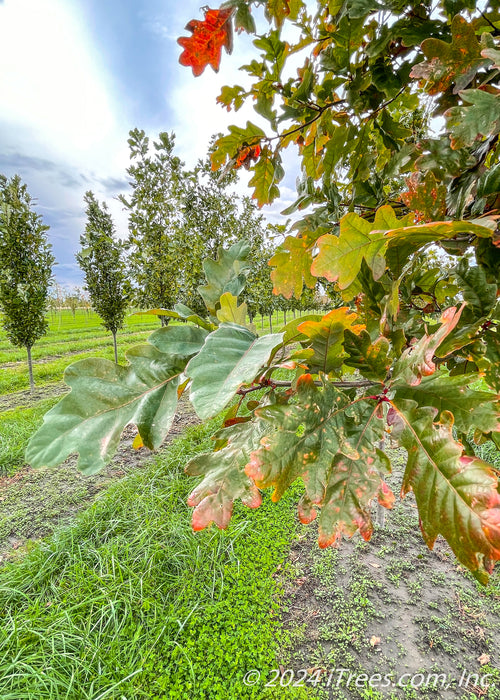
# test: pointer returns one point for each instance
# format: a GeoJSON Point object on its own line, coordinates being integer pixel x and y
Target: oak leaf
{"type": "Point", "coordinates": [204, 47]}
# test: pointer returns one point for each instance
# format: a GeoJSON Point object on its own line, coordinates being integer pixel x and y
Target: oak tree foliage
{"type": "Point", "coordinates": [399, 220]}
{"type": "Point", "coordinates": [26, 262]}
{"type": "Point", "coordinates": [102, 261]}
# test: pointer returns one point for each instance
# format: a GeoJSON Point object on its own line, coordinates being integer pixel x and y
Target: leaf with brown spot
{"type": "Point", "coordinates": [426, 197]}
{"type": "Point", "coordinates": [457, 495]}
{"type": "Point", "coordinates": [450, 63]}
{"type": "Point", "coordinates": [224, 479]}
{"type": "Point", "coordinates": [417, 361]}
{"type": "Point", "coordinates": [327, 336]}
{"type": "Point", "coordinates": [470, 407]}
{"type": "Point", "coordinates": [329, 440]}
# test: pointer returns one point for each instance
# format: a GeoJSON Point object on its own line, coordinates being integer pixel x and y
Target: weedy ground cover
{"type": "Point", "coordinates": [129, 603]}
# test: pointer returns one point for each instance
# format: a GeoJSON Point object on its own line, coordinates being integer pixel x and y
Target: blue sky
{"type": "Point", "coordinates": [76, 76]}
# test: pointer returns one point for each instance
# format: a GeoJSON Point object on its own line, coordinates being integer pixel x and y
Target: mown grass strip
{"type": "Point", "coordinates": [130, 603]}
{"type": "Point", "coordinates": [16, 427]}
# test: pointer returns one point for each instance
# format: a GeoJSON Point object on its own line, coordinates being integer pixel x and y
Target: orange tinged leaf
{"type": "Point", "coordinates": [247, 155]}
{"type": "Point", "coordinates": [138, 443]}
{"type": "Point", "coordinates": [204, 47]}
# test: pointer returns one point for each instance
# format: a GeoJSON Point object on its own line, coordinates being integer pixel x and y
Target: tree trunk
{"type": "Point", "coordinates": [294, 314]}
{"type": "Point", "coordinates": [250, 316]}
{"type": "Point", "coordinates": [30, 369]}
{"type": "Point", "coordinates": [271, 323]}
{"type": "Point", "coordinates": [164, 320]}
{"type": "Point", "coordinates": [115, 347]}
{"type": "Point", "coordinates": [262, 321]}
{"type": "Point", "coordinates": [284, 317]}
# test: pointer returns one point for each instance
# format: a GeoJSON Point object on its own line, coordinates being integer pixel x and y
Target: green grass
{"type": "Point", "coordinates": [82, 336]}
{"type": "Point", "coordinates": [16, 427]}
{"type": "Point", "coordinates": [129, 603]}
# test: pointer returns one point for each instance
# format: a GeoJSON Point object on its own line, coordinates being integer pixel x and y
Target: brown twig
{"type": "Point", "coordinates": [275, 384]}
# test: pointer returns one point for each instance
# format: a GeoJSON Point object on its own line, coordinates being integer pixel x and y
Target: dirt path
{"type": "Point", "coordinates": [390, 606]}
{"type": "Point", "coordinates": [33, 502]}
{"type": "Point", "coordinates": [26, 399]}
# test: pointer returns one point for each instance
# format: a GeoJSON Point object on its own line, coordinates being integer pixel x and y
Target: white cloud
{"type": "Point", "coordinates": [54, 92]}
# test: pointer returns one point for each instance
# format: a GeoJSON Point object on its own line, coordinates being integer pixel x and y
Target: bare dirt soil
{"type": "Point", "coordinates": [390, 606]}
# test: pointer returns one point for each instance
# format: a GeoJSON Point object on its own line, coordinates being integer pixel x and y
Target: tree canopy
{"type": "Point", "coordinates": [401, 217]}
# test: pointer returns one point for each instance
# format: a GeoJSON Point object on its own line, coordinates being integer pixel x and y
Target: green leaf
{"type": "Point", "coordinates": [467, 124]}
{"type": "Point", "coordinates": [479, 295]}
{"type": "Point", "coordinates": [372, 359]}
{"type": "Point", "coordinates": [416, 361]}
{"type": "Point", "coordinates": [450, 63]}
{"type": "Point", "coordinates": [456, 495]}
{"type": "Point", "coordinates": [403, 242]}
{"type": "Point", "coordinates": [232, 97]}
{"type": "Point", "coordinates": [243, 18]}
{"type": "Point", "coordinates": [292, 334]}
{"type": "Point", "coordinates": [326, 338]}
{"type": "Point", "coordinates": [268, 172]}
{"type": "Point", "coordinates": [184, 341]}
{"type": "Point", "coordinates": [104, 398]}
{"type": "Point", "coordinates": [470, 408]}
{"type": "Point", "coordinates": [230, 312]}
{"type": "Point", "coordinates": [292, 263]}
{"type": "Point", "coordinates": [277, 10]}
{"type": "Point", "coordinates": [328, 440]}
{"type": "Point", "coordinates": [224, 478]}
{"type": "Point", "coordinates": [490, 362]}
{"type": "Point", "coordinates": [230, 145]}
{"type": "Point", "coordinates": [232, 356]}
{"type": "Point", "coordinates": [489, 182]}
{"type": "Point", "coordinates": [197, 320]}
{"type": "Point", "coordinates": [340, 258]}
{"type": "Point", "coordinates": [493, 55]}
{"type": "Point", "coordinates": [226, 274]}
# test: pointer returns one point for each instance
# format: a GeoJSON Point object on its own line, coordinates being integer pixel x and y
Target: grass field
{"type": "Point", "coordinates": [69, 339]}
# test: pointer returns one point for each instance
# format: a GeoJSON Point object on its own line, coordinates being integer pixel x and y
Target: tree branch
{"type": "Point", "coordinates": [274, 384]}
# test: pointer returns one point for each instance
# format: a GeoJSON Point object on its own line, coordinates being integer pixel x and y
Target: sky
{"type": "Point", "coordinates": [76, 76]}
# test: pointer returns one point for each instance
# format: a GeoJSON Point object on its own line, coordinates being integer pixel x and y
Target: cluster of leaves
{"type": "Point", "coordinates": [417, 271]}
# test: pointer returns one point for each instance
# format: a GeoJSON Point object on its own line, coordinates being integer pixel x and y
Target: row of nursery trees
{"type": "Point", "coordinates": [177, 218]}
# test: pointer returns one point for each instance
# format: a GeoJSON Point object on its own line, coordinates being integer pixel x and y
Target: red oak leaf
{"type": "Point", "coordinates": [204, 47]}
{"type": "Point", "coordinates": [247, 155]}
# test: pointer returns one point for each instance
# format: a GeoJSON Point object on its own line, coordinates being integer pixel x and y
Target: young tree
{"type": "Point", "coordinates": [72, 299]}
{"type": "Point", "coordinates": [101, 259]}
{"type": "Point", "coordinates": [26, 264]}
{"type": "Point", "coordinates": [213, 216]}
{"type": "Point", "coordinates": [154, 219]}
{"type": "Point", "coordinates": [258, 293]}
{"type": "Point", "coordinates": [421, 335]}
